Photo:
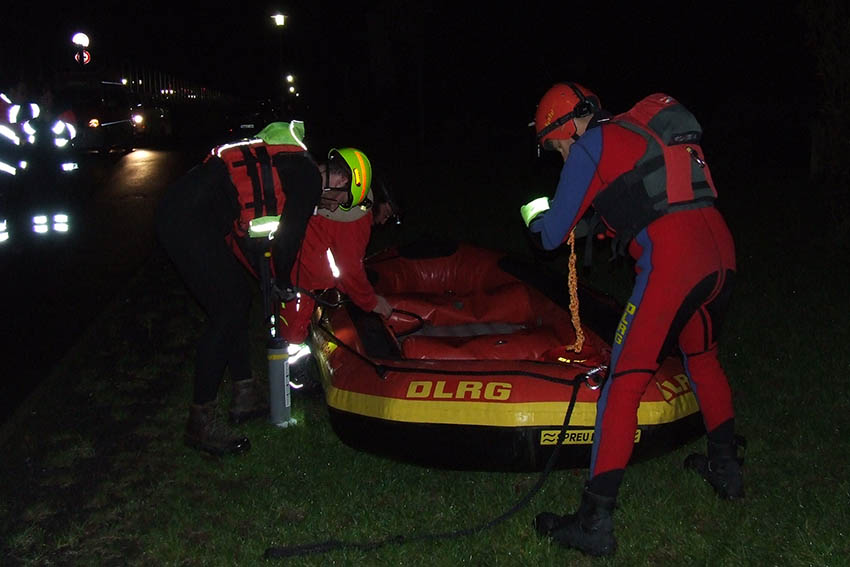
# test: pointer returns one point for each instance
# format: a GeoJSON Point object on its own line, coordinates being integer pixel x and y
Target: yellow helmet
{"type": "Point", "coordinates": [361, 174]}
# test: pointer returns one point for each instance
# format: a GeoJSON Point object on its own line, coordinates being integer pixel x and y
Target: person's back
{"type": "Point", "coordinates": [235, 185]}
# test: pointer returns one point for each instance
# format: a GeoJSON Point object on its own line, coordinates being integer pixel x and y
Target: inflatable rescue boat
{"type": "Point", "coordinates": [472, 371]}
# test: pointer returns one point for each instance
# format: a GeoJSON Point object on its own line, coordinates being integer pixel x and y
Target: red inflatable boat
{"type": "Point", "coordinates": [472, 370]}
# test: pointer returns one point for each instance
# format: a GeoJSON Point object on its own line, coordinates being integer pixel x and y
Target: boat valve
{"type": "Point", "coordinates": [593, 379]}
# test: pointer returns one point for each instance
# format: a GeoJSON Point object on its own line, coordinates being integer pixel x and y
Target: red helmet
{"type": "Point", "coordinates": [557, 109]}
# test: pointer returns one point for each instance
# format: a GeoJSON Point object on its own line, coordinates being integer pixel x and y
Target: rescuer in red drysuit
{"type": "Point", "coordinates": [685, 268]}
{"type": "Point", "coordinates": [331, 256]}
{"type": "Point", "coordinates": [345, 236]}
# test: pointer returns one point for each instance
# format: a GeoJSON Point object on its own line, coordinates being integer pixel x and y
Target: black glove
{"type": "Point", "coordinates": [283, 294]}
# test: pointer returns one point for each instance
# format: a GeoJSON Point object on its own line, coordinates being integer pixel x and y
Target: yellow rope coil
{"type": "Point", "coordinates": [572, 282]}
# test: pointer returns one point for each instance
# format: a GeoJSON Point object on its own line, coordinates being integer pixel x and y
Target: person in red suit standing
{"type": "Point", "coordinates": [644, 175]}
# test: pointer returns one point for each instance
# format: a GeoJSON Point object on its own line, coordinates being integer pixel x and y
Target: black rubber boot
{"type": "Point", "coordinates": [590, 529]}
{"type": "Point", "coordinates": [207, 432]}
{"type": "Point", "coordinates": [721, 468]}
{"type": "Point", "coordinates": [248, 401]}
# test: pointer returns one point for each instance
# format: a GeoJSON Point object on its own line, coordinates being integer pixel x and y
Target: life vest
{"type": "Point", "coordinates": [671, 176]}
{"type": "Point", "coordinates": [255, 173]}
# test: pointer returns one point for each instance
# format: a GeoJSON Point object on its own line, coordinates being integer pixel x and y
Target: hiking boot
{"type": "Point", "coordinates": [721, 468]}
{"type": "Point", "coordinates": [248, 401]}
{"type": "Point", "coordinates": [207, 432]}
{"type": "Point", "coordinates": [590, 529]}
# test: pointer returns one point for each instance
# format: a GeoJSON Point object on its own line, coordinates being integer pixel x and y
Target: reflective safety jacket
{"type": "Point", "coordinates": [255, 170]}
{"type": "Point", "coordinates": [30, 138]}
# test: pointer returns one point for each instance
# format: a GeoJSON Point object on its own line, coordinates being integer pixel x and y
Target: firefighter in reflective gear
{"type": "Point", "coordinates": [268, 176]}
{"type": "Point", "coordinates": [37, 167]}
{"type": "Point", "coordinates": [685, 267]}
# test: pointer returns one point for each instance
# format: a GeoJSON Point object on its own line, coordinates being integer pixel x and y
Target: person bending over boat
{"type": "Point", "coordinates": [644, 175]}
{"type": "Point", "coordinates": [197, 219]}
{"type": "Point", "coordinates": [331, 256]}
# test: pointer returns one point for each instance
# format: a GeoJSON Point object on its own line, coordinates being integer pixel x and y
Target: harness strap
{"type": "Point", "coordinates": [267, 178]}
{"type": "Point", "coordinates": [250, 163]}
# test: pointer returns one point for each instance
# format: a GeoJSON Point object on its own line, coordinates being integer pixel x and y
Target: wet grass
{"type": "Point", "coordinates": [94, 471]}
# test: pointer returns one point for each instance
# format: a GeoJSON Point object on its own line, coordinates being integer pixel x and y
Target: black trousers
{"type": "Point", "coordinates": [192, 219]}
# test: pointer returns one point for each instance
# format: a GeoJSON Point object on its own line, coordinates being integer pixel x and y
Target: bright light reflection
{"type": "Point", "coordinates": [332, 263]}
{"type": "Point", "coordinates": [80, 39]}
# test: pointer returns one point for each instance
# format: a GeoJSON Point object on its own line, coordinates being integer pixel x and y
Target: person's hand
{"type": "Point", "coordinates": [283, 294]}
{"type": "Point", "coordinates": [383, 307]}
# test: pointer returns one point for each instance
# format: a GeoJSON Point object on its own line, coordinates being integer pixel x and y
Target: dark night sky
{"type": "Point", "coordinates": [470, 63]}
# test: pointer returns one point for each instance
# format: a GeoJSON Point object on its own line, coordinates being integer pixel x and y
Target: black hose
{"type": "Point", "coordinates": [334, 544]}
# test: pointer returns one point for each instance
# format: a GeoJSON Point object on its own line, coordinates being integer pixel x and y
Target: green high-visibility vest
{"type": "Point", "coordinates": [263, 227]}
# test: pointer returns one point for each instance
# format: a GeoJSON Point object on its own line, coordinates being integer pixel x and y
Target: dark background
{"type": "Point", "coordinates": [452, 75]}
{"type": "Point", "coordinates": [451, 87]}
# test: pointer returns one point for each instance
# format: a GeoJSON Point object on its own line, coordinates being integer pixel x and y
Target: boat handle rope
{"type": "Point", "coordinates": [383, 369]}
{"type": "Point", "coordinates": [335, 544]}
{"type": "Point", "coordinates": [412, 315]}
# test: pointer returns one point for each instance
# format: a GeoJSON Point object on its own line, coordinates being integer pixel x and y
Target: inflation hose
{"type": "Point", "coordinates": [335, 544]}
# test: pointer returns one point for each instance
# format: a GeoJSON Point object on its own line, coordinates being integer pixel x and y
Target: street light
{"type": "Point", "coordinates": [80, 39]}
{"type": "Point", "coordinates": [279, 19]}
{"type": "Point", "coordinates": [81, 43]}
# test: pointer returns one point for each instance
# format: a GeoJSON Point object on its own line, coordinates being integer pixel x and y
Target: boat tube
{"type": "Point", "coordinates": [472, 369]}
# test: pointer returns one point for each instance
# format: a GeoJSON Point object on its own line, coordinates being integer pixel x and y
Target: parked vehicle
{"type": "Point", "coordinates": [152, 123]}
{"type": "Point", "coordinates": [103, 114]}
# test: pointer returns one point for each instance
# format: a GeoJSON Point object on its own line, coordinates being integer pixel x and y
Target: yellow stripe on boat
{"type": "Point", "coordinates": [488, 413]}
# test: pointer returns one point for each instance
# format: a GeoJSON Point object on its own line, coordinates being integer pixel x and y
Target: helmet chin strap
{"type": "Point", "coordinates": [576, 135]}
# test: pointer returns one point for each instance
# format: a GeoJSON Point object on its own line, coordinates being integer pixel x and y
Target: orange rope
{"type": "Point", "coordinates": [572, 282]}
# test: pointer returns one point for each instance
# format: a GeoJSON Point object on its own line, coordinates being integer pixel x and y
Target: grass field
{"type": "Point", "coordinates": [94, 471]}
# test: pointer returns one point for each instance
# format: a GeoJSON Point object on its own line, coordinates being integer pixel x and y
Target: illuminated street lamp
{"type": "Point", "coordinates": [279, 19]}
{"type": "Point", "coordinates": [80, 39]}
{"type": "Point", "coordinates": [81, 43]}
